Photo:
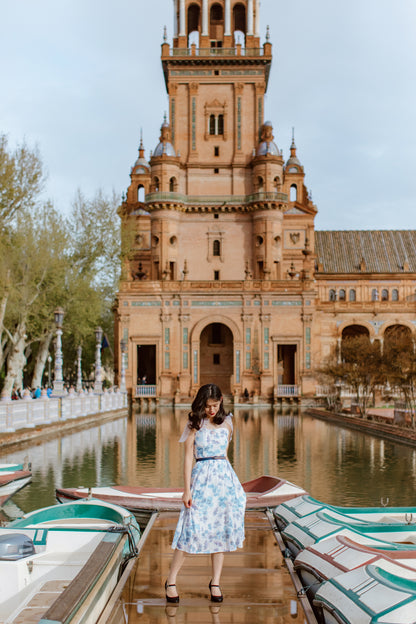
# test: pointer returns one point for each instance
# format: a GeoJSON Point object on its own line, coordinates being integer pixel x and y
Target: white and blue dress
{"type": "Point", "coordinates": [215, 521]}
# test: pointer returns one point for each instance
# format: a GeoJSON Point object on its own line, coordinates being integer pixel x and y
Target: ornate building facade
{"type": "Point", "coordinates": [226, 279]}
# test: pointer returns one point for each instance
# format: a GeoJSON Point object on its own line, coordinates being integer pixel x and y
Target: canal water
{"type": "Point", "coordinates": [335, 465]}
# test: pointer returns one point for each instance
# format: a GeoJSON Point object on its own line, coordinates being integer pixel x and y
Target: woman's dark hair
{"type": "Point", "coordinates": [197, 414]}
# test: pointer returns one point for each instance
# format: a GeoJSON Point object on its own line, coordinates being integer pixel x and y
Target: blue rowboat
{"type": "Point", "coordinates": [62, 563]}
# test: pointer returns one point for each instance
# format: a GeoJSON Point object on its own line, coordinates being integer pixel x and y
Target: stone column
{"type": "Point", "coordinates": [250, 17]}
{"type": "Point", "coordinates": [205, 32]}
{"type": "Point", "coordinates": [227, 21]}
{"type": "Point", "coordinates": [257, 26]}
{"type": "Point", "coordinates": [182, 28]}
{"type": "Point", "coordinates": [175, 18]}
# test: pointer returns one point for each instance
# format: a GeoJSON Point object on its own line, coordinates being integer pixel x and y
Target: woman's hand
{"type": "Point", "coordinates": [187, 499]}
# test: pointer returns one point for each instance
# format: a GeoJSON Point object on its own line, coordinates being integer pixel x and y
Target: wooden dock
{"type": "Point", "coordinates": [256, 583]}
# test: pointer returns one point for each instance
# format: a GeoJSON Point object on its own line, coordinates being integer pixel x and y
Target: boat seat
{"type": "Point", "coordinates": [77, 522]}
{"type": "Point", "coordinates": [40, 602]}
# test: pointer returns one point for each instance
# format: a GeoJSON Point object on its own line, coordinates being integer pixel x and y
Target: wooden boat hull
{"type": "Point", "coordinates": [69, 563]}
{"type": "Point", "coordinates": [262, 493]}
{"type": "Point", "coordinates": [382, 593]}
{"type": "Point", "coordinates": [303, 506]}
{"type": "Point", "coordinates": [13, 477]}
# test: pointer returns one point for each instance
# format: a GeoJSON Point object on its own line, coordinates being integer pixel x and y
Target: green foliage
{"type": "Point", "coordinates": [48, 261]}
{"type": "Point", "coordinates": [21, 179]}
{"type": "Point", "coordinates": [357, 366]}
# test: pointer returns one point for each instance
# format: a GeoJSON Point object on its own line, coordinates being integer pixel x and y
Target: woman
{"type": "Point", "coordinates": [212, 518]}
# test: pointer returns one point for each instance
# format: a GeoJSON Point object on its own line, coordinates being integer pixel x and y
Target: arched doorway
{"type": "Point", "coordinates": [397, 334]}
{"type": "Point", "coordinates": [216, 356]}
{"type": "Point", "coordinates": [352, 331]}
{"type": "Point", "coordinates": [354, 337]}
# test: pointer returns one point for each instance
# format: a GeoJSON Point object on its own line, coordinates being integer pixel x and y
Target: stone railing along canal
{"type": "Point", "coordinates": [30, 412]}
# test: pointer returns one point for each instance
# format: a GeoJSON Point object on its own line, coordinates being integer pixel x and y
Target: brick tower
{"type": "Point", "coordinates": [217, 282]}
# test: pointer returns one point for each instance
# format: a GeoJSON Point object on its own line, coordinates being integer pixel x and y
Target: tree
{"type": "Point", "coordinates": [47, 261]}
{"type": "Point", "coordinates": [359, 366]}
{"type": "Point", "coordinates": [36, 263]}
{"type": "Point", "coordinates": [21, 179]}
{"type": "Point", "coordinates": [399, 364]}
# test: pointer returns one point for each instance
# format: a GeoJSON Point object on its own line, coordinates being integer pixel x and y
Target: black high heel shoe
{"type": "Point", "coordinates": [174, 599]}
{"type": "Point", "coordinates": [219, 598]}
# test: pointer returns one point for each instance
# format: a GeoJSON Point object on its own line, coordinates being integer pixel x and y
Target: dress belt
{"type": "Point", "coordinates": [206, 458]}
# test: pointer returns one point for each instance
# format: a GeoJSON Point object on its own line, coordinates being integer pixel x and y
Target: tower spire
{"type": "Point", "coordinates": [141, 146]}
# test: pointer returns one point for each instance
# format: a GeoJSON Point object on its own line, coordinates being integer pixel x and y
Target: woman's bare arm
{"type": "Point", "coordinates": [187, 468]}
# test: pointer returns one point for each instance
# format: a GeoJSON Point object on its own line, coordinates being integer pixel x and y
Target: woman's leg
{"type": "Point", "coordinates": [217, 561]}
{"type": "Point", "coordinates": [176, 564]}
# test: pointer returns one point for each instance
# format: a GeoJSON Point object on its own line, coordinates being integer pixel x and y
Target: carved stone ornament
{"type": "Point", "coordinates": [294, 237]}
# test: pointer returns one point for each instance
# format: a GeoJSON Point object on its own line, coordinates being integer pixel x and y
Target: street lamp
{"type": "Point", "coordinates": [79, 371]}
{"type": "Point", "coordinates": [58, 382]}
{"type": "Point", "coordinates": [123, 347]}
{"type": "Point", "coordinates": [98, 386]}
{"type": "Point", "coordinates": [49, 370]}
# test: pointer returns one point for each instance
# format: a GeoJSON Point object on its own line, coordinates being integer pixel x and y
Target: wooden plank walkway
{"type": "Point", "coordinates": [256, 583]}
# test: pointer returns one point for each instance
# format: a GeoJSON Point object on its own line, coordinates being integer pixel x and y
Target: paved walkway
{"type": "Point", "coordinates": [256, 584]}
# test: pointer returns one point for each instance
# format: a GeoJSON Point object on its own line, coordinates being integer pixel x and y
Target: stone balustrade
{"type": "Point", "coordinates": [29, 413]}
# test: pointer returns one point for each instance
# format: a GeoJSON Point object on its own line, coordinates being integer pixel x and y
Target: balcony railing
{"type": "Point", "coordinates": [287, 390]}
{"type": "Point", "coordinates": [230, 52]}
{"type": "Point", "coordinates": [146, 391]}
{"type": "Point", "coordinates": [215, 199]}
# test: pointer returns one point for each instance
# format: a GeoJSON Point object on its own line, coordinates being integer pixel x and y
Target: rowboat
{"type": "Point", "coordinates": [262, 493]}
{"type": "Point", "coordinates": [321, 525]}
{"type": "Point", "coordinates": [13, 477]}
{"type": "Point", "coordinates": [372, 594]}
{"type": "Point", "coordinates": [62, 564]}
{"type": "Point", "coordinates": [339, 554]}
{"type": "Point", "coordinates": [302, 506]}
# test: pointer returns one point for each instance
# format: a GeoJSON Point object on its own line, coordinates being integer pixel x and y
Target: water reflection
{"type": "Point", "coordinates": [336, 465]}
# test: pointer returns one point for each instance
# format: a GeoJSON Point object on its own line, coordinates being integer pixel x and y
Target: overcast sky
{"type": "Point", "coordinates": [79, 78]}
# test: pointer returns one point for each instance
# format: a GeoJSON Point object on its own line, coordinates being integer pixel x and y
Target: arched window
{"type": "Point", "coordinates": [384, 294]}
{"type": "Point", "coordinates": [293, 192]}
{"type": "Point", "coordinates": [220, 124]}
{"type": "Point", "coordinates": [341, 295]}
{"type": "Point", "coordinates": [374, 294]}
{"type": "Point", "coordinates": [260, 184]}
{"type": "Point", "coordinates": [212, 124]}
{"type": "Point", "coordinates": [352, 295]}
{"type": "Point", "coordinates": [332, 295]}
{"type": "Point", "coordinates": [193, 18]}
{"type": "Point", "coordinates": [394, 294]}
{"type": "Point", "coordinates": [239, 17]}
{"type": "Point", "coordinates": [216, 248]}
{"type": "Point", "coordinates": [277, 184]}
{"type": "Point", "coordinates": [172, 185]}
{"type": "Point", "coordinates": [155, 184]}
{"type": "Point", "coordinates": [216, 13]}
{"type": "Point", "coordinates": [140, 193]}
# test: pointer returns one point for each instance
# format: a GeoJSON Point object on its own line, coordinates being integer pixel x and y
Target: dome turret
{"type": "Point", "coordinates": [141, 160]}
{"type": "Point", "coordinates": [267, 144]}
{"type": "Point", "coordinates": [164, 147]}
{"type": "Point", "coordinates": [293, 161]}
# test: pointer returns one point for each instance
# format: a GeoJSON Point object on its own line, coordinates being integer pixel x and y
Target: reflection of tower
{"type": "Point", "coordinates": [254, 443]}
{"type": "Point", "coordinates": [131, 450]}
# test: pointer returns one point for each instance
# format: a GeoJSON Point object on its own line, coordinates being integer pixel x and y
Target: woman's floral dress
{"type": "Point", "coordinates": [215, 521]}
